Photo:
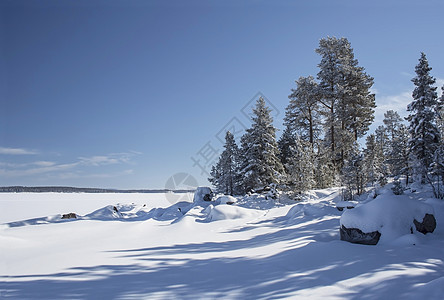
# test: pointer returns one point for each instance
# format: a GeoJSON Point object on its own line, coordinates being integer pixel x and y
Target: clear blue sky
{"type": "Point", "coordinates": [124, 93]}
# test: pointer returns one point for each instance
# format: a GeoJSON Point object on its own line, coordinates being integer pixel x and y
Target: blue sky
{"type": "Point", "coordinates": [125, 94]}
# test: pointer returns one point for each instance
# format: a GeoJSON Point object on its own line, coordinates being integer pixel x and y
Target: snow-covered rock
{"type": "Point", "coordinates": [226, 199]}
{"type": "Point", "coordinates": [203, 193]}
{"type": "Point", "coordinates": [391, 216]}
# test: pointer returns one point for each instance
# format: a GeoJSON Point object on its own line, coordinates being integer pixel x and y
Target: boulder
{"type": "Point", "coordinates": [203, 193]}
{"type": "Point", "coordinates": [427, 225]}
{"type": "Point", "coordinates": [355, 235]}
{"type": "Point", "coordinates": [69, 216]}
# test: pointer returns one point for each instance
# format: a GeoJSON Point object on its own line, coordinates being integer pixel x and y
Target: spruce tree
{"type": "Point", "coordinates": [423, 115]}
{"type": "Point", "coordinates": [216, 177]}
{"type": "Point", "coordinates": [225, 175]}
{"type": "Point", "coordinates": [286, 141]}
{"type": "Point", "coordinates": [398, 159]}
{"type": "Point", "coordinates": [395, 150]}
{"type": "Point", "coordinates": [260, 165]}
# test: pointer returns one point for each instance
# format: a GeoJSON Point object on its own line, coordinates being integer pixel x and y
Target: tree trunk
{"type": "Point", "coordinates": [310, 120]}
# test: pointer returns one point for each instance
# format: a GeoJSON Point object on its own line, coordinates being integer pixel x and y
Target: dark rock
{"type": "Point", "coordinates": [69, 216]}
{"type": "Point", "coordinates": [341, 208]}
{"type": "Point", "coordinates": [427, 225]}
{"type": "Point", "coordinates": [355, 235]}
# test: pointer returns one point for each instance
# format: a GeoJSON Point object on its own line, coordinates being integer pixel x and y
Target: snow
{"type": "Point", "coordinates": [226, 199]}
{"type": "Point", "coordinates": [228, 212]}
{"type": "Point", "coordinates": [391, 215]}
{"type": "Point", "coordinates": [257, 248]}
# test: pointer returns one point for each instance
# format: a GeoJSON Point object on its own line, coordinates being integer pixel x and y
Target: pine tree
{"type": "Point", "coordinates": [382, 141]}
{"type": "Point", "coordinates": [395, 148]}
{"type": "Point", "coordinates": [353, 173]}
{"type": "Point", "coordinates": [392, 121]}
{"type": "Point", "coordinates": [286, 141]}
{"type": "Point", "coordinates": [325, 172]}
{"type": "Point", "coordinates": [423, 114]}
{"type": "Point", "coordinates": [216, 177]}
{"type": "Point", "coordinates": [225, 175]}
{"type": "Point", "coordinates": [373, 164]}
{"type": "Point", "coordinates": [348, 104]}
{"type": "Point", "coordinates": [260, 165]}
{"type": "Point", "coordinates": [398, 160]}
{"type": "Point", "coordinates": [302, 113]}
{"type": "Point", "coordinates": [440, 114]}
{"type": "Point", "coordinates": [300, 166]}
{"type": "Point", "coordinates": [437, 170]}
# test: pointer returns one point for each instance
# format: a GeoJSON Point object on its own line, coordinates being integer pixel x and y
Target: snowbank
{"type": "Point", "coordinates": [229, 212]}
{"type": "Point", "coordinates": [391, 215]}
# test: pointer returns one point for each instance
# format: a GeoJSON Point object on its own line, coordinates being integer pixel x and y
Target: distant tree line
{"type": "Point", "coordinates": [67, 189]}
{"type": "Point", "coordinates": [323, 122]}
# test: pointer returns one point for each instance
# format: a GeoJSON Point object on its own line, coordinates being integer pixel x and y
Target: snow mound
{"type": "Point", "coordinates": [226, 199]}
{"type": "Point", "coordinates": [431, 290]}
{"type": "Point", "coordinates": [108, 212]}
{"type": "Point", "coordinates": [314, 210]}
{"type": "Point", "coordinates": [172, 212]}
{"type": "Point", "coordinates": [229, 212]}
{"type": "Point", "coordinates": [391, 215]}
{"type": "Point", "coordinates": [126, 212]}
{"type": "Point", "coordinates": [39, 221]}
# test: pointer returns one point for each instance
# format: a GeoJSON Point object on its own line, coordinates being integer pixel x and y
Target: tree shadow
{"type": "Point", "coordinates": [194, 271]}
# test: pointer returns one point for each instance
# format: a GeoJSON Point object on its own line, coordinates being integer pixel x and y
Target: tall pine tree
{"type": "Point", "coordinates": [424, 133]}
{"type": "Point", "coordinates": [302, 113]}
{"type": "Point", "coordinates": [348, 104]}
{"type": "Point", "coordinates": [260, 166]}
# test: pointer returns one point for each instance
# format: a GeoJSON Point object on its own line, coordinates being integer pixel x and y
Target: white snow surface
{"type": "Point", "coordinates": [257, 248]}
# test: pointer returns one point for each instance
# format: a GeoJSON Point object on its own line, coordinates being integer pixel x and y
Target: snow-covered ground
{"type": "Point", "coordinates": [254, 249]}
